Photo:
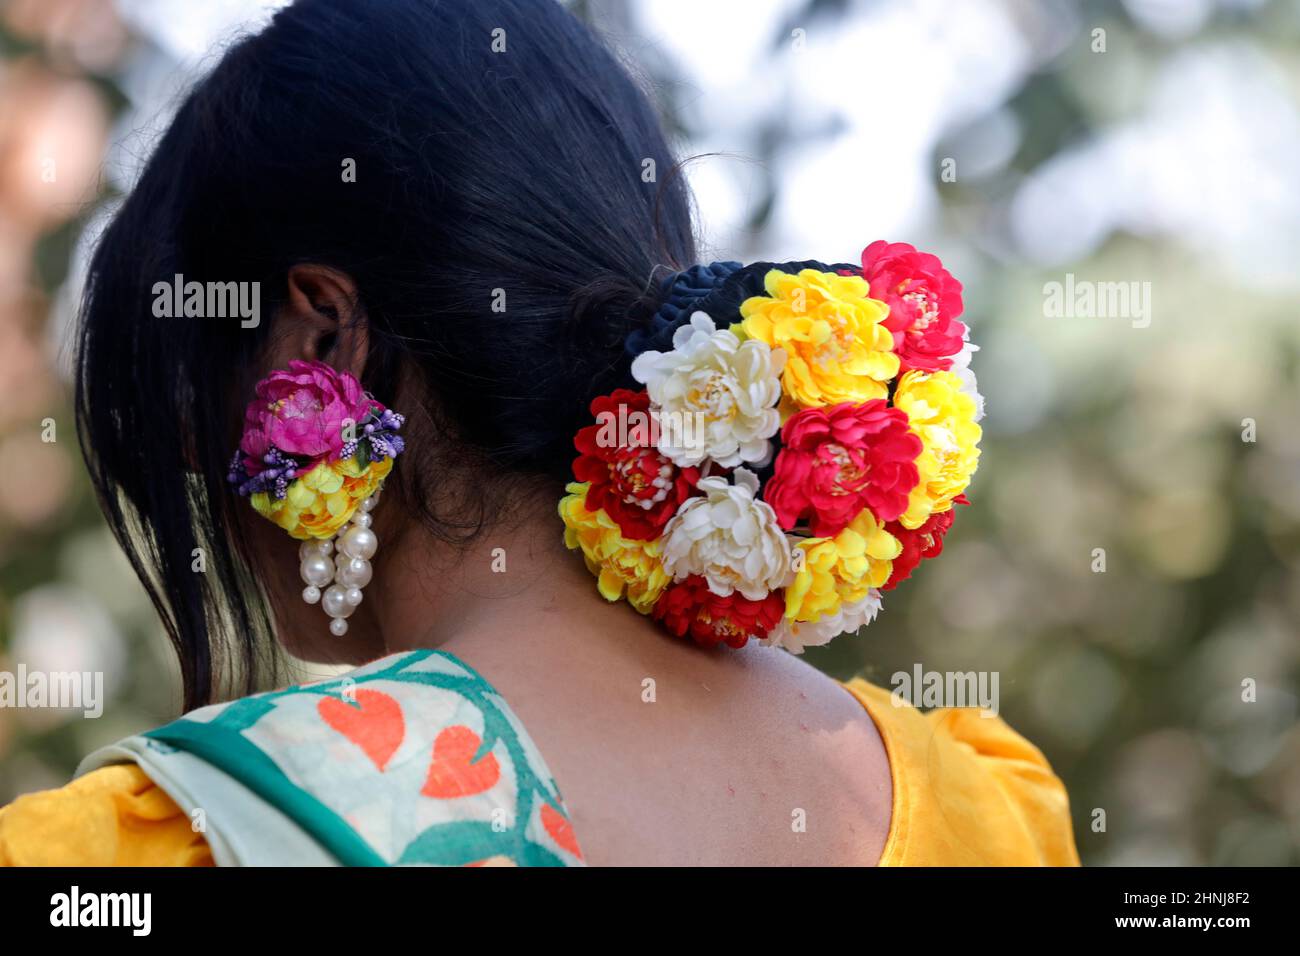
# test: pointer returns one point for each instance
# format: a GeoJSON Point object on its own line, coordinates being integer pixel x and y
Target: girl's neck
{"type": "Point", "coordinates": [517, 599]}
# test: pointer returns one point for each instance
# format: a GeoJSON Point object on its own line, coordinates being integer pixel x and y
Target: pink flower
{"type": "Point", "coordinates": [302, 412]}
{"type": "Point", "coordinates": [924, 301]}
{"type": "Point", "coordinates": [837, 460]}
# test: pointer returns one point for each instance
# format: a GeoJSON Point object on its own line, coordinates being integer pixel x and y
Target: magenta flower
{"type": "Point", "coordinates": [302, 413]}
{"type": "Point", "coordinates": [924, 301]}
{"type": "Point", "coordinates": [837, 460]}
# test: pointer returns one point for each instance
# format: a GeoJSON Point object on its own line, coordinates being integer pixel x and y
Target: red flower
{"type": "Point", "coordinates": [837, 460]}
{"type": "Point", "coordinates": [920, 544]}
{"type": "Point", "coordinates": [924, 301]}
{"type": "Point", "coordinates": [689, 606]}
{"type": "Point", "coordinates": [634, 484]}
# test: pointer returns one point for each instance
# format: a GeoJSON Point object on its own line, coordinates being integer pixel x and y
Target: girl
{"type": "Point", "coordinates": [443, 208]}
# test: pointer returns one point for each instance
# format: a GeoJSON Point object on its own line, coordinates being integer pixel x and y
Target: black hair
{"type": "Point", "coordinates": [478, 172]}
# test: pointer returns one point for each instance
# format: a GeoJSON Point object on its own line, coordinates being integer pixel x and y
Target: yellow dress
{"type": "Point", "coordinates": [114, 816]}
{"type": "Point", "coordinates": [967, 791]}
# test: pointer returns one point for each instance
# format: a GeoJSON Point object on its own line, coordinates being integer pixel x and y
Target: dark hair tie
{"type": "Point", "coordinates": [679, 294]}
{"type": "Point", "coordinates": [717, 289]}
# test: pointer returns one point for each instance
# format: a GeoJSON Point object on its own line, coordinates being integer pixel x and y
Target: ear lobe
{"type": "Point", "coordinates": [322, 320]}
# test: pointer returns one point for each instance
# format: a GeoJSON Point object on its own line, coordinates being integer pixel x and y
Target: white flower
{"type": "Point", "coordinates": [729, 538]}
{"type": "Point", "coordinates": [961, 368]}
{"type": "Point", "coordinates": [794, 636]}
{"type": "Point", "coordinates": [714, 395]}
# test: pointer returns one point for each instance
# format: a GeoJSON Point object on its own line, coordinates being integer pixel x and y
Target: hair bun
{"type": "Point", "coordinates": [791, 442]}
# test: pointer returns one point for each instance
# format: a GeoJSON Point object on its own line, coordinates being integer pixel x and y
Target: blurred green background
{"type": "Point", "coordinates": [1152, 141]}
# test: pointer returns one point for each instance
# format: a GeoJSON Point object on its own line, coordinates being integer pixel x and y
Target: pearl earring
{"type": "Point", "coordinates": [313, 459]}
{"type": "Point", "coordinates": [336, 569]}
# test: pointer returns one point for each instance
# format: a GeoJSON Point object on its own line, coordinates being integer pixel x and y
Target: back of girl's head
{"type": "Point", "coordinates": [476, 168]}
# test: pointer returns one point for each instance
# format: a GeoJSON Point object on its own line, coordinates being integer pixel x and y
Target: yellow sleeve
{"type": "Point", "coordinates": [968, 790]}
{"type": "Point", "coordinates": [114, 816]}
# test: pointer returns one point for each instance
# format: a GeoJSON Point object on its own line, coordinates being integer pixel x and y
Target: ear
{"type": "Point", "coordinates": [322, 320]}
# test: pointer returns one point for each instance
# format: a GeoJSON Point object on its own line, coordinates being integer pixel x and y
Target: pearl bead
{"type": "Point", "coordinates": [317, 570]}
{"type": "Point", "coordinates": [311, 594]}
{"type": "Point", "coordinates": [359, 543]}
{"type": "Point", "coordinates": [369, 504]}
{"type": "Point", "coordinates": [353, 596]}
{"type": "Point", "coordinates": [361, 520]}
{"type": "Point", "coordinates": [335, 602]}
{"type": "Point", "coordinates": [338, 627]}
{"type": "Point", "coordinates": [313, 547]}
{"type": "Point", "coordinates": [354, 572]}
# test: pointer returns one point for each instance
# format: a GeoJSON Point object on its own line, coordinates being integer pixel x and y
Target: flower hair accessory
{"type": "Point", "coordinates": [313, 458]}
{"type": "Point", "coordinates": [799, 438]}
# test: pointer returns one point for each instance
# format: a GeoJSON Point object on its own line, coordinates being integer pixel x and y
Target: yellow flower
{"type": "Point", "coordinates": [830, 328]}
{"type": "Point", "coordinates": [944, 418]}
{"type": "Point", "coordinates": [620, 565]}
{"type": "Point", "coordinates": [841, 570]}
{"type": "Point", "coordinates": [320, 502]}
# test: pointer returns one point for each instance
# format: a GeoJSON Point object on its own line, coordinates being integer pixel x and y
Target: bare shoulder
{"type": "Point", "coordinates": [790, 676]}
{"type": "Point", "coordinates": [676, 756]}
